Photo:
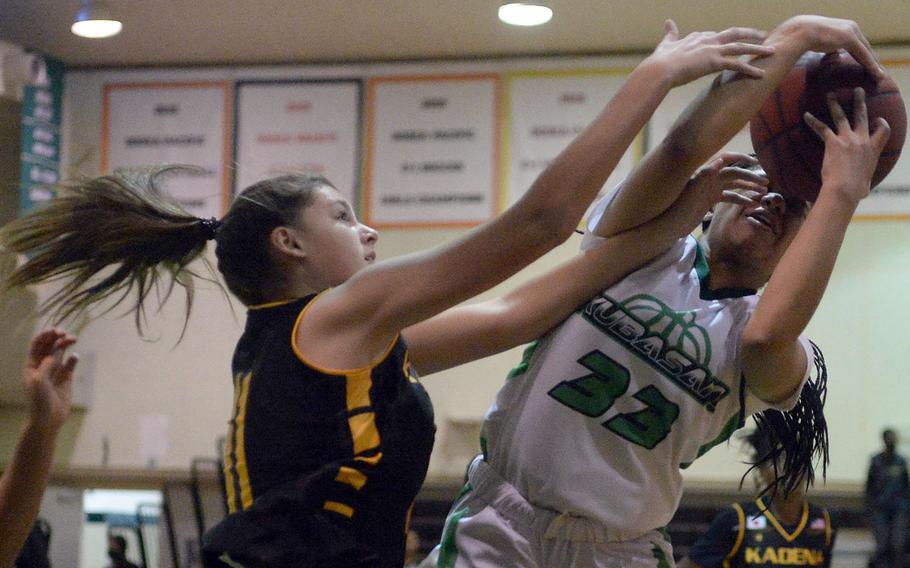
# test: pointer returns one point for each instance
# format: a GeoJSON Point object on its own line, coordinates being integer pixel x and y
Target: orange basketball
{"type": "Point", "coordinates": [790, 151]}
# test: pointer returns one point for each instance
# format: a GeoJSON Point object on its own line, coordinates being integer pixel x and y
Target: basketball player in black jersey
{"type": "Point", "coordinates": [776, 530]}
{"type": "Point", "coordinates": [331, 432]}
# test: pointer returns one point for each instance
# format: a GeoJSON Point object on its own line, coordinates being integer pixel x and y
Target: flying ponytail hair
{"type": "Point", "coordinates": [120, 220]}
{"type": "Point", "coordinates": [793, 442]}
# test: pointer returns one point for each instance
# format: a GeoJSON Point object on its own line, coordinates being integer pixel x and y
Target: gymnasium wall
{"type": "Point", "coordinates": [159, 401]}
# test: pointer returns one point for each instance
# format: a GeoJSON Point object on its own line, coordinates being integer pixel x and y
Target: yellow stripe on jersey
{"type": "Point", "coordinates": [243, 474]}
{"type": "Point", "coordinates": [780, 529]}
{"type": "Point", "coordinates": [827, 527]}
{"type": "Point", "coordinates": [328, 370]}
{"type": "Point", "coordinates": [351, 476]}
{"type": "Point", "coordinates": [372, 460]}
{"type": "Point", "coordinates": [271, 304]}
{"type": "Point", "coordinates": [364, 432]}
{"type": "Point", "coordinates": [407, 519]}
{"type": "Point", "coordinates": [740, 535]}
{"type": "Point", "coordinates": [229, 464]}
{"type": "Point", "coordinates": [339, 508]}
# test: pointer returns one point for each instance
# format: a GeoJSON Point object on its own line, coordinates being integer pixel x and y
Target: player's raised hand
{"type": "Point", "coordinates": [728, 178]}
{"type": "Point", "coordinates": [820, 33]}
{"type": "Point", "coordinates": [48, 378]}
{"type": "Point", "coordinates": [851, 151]}
{"type": "Point", "coordinates": [725, 178]}
{"type": "Point", "coordinates": [702, 53]}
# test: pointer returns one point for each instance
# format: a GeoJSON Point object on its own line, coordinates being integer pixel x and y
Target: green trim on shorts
{"type": "Point", "coordinates": [448, 551]}
{"type": "Point", "coordinates": [659, 555]}
{"type": "Point", "coordinates": [666, 534]}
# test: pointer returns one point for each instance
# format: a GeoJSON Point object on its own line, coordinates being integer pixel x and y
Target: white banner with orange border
{"type": "Point", "coordinates": [432, 152]}
{"type": "Point", "coordinates": [306, 126]}
{"type": "Point", "coordinates": [545, 111]}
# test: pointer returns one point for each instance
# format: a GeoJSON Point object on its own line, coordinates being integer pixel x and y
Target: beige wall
{"type": "Point", "coordinates": [859, 326]}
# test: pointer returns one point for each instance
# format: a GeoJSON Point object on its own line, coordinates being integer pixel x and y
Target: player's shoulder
{"type": "Point", "coordinates": [818, 512]}
{"type": "Point", "coordinates": [753, 514]}
{"type": "Point", "coordinates": [819, 521]}
{"type": "Point", "coordinates": [735, 514]}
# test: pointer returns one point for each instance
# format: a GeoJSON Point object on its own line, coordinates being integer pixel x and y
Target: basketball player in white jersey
{"type": "Point", "coordinates": [583, 448]}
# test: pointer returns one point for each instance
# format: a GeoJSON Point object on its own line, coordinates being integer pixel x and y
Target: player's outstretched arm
{"type": "Point", "coordinates": [773, 361]}
{"type": "Point", "coordinates": [470, 332]}
{"type": "Point", "coordinates": [721, 111]}
{"type": "Point", "coordinates": [377, 303]}
{"type": "Point", "coordinates": [47, 381]}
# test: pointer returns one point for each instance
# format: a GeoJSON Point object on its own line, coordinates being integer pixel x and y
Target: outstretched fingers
{"type": "Point", "coordinates": [860, 113]}
{"type": "Point", "coordinates": [862, 52]}
{"type": "Point", "coordinates": [881, 134]}
{"type": "Point", "coordinates": [740, 197]}
{"type": "Point", "coordinates": [46, 354]}
{"type": "Point", "coordinates": [730, 54]}
{"type": "Point", "coordinates": [671, 31]}
{"type": "Point", "coordinates": [819, 127]}
{"type": "Point", "coordinates": [739, 48]}
{"type": "Point", "coordinates": [42, 344]}
{"type": "Point", "coordinates": [841, 122]}
{"type": "Point", "coordinates": [730, 158]}
{"type": "Point", "coordinates": [737, 34]}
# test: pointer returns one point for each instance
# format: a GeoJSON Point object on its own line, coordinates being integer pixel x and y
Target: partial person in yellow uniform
{"type": "Point", "coordinates": [781, 529]}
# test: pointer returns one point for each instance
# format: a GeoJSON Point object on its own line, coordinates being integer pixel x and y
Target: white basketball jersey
{"type": "Point", "coordinates": [605, 409]}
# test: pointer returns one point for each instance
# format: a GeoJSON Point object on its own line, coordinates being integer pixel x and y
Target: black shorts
{"type": "Point", "coordinates": [316, 540]}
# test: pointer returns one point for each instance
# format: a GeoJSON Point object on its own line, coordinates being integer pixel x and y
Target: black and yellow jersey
{"type": "Point", "coordinates": [749, 534]}
{"type": "Point", "coordinates": [353, 445]}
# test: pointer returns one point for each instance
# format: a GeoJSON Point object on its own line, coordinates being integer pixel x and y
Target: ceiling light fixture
{"type": "Point", "coordinates": [525, 14]}
{"type": "Point", "coordinates": [94, 20]}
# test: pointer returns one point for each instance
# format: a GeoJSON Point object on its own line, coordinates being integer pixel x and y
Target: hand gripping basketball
{"type": "Point", "coordinates": [788, 149]}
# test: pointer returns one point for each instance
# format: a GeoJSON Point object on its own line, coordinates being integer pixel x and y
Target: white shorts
{"type": "Point", "coordinates": [491, 525]}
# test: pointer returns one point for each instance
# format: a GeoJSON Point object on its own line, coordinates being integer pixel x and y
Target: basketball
{"type": "Point", "coordinates": [790, 151]}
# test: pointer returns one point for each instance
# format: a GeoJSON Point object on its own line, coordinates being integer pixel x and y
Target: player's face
{"type": "Point", "coordinates": [759, 234]}
{"type": "Point", "coordinates": [337, 245]}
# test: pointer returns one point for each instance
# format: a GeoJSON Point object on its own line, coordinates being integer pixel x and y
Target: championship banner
{"type": "Point", "coordinates": [172, 123]}
{"type": "Point", "coordinates": [432, 155]}
{"type": "Point", "coordinates": [545, 111]}
{"type": "Point", "coordinates": [890, 200]}
{"type": "Point", "coordinates": [42, 105]}
{"type": "Point", "coordinates": [298, 127]}
{"type": "Point", "coordinates": [673, 106]}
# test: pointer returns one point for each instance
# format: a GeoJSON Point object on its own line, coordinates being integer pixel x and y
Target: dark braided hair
{"type": "Point", "coordinates": [792, 442]}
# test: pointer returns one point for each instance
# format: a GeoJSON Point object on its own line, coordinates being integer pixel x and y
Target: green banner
{"type": "Point", "coordinates": [42, 105]}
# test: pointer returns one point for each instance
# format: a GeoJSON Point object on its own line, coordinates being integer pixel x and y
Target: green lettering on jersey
{"type": "Point", "coordinates": [670, 342]}
{"type": "Point", "coordinates": [647, 427]}
{"type": "Point", "coordinates": [593, 395]}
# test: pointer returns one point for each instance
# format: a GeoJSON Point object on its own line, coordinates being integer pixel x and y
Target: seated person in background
{"type": "Point", "coordinates": [48, 383]}
{"type": "Point", "coordinates": [777, 529]}
{"type": "Point", "coordinates": [34, 553]}
{"type": "Point", "coordinates": [116, 550]}
{"type": "Point", "coordinates": [887, 496]}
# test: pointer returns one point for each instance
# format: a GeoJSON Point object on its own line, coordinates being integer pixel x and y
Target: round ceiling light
{"type": "Point", "coordinates": [94, 20]}
{"type": "Point", "coordinates": [524, 14]}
